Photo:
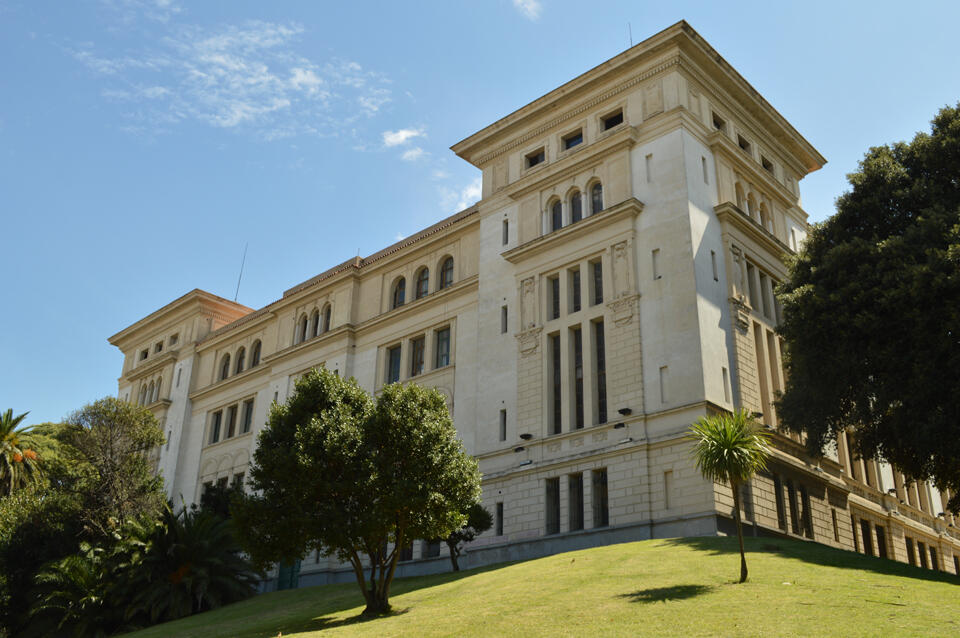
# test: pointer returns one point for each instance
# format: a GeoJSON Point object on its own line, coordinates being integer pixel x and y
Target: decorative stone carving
{"type": "Point", "coordinates": [599, 436]}
{"type": "Point", "coordinates": [553, 447]}
{"type": "Point", "coordinates": [739, 274]}
{"type": "Point", "coordinates": [528, 303]}
{"type": "Point", "coordinates": [741, 314]}
{"type": "Point", "coordinates": [621, 270]}
{"type": "Point", "coordinates": [577, 442]}
{"type": "Point", "coordinates": [623, 309]}
{"type": "Point", "coordinates": [529, 341]}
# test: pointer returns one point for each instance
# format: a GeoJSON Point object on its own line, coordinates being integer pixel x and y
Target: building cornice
{"type": "Point", "coordinates": [724, 146]}
{"type": "Point", "coordinates": [729, 213]}
{"type": "Point", "coordinates": [628, 208]}
{"type": "Point", "coordinates": [151, 366]}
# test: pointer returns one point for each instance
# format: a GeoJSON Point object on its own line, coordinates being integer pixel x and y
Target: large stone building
{"type": "Point", "coordinates": [614, 284]}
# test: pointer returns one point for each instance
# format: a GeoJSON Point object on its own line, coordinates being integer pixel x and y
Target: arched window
{"type": "Point", "coordinates": [423, 282]}
{"type": "Point", "coordinates": [576, 207]}
{"type": "Point", "coordinates": [156, 390]}
{"type": "Point", "coordinates": [142, 397]}
{"type": "Point", "coordinates": [446, 273]}
{"type": "Point", "coordinates": [241, 359]}
{"type": "Point", "coordinates": [399, 293]}
{"type": "Point", "coordinates": [302, 329]}
{"type": "Point", "coordinates": [225, 367]}
{"type": "Point", "coordinates": [150, 392]}
{"type": "Point", "coordinates": [596, 198]}
{"type": "Point", "coordinates": [255, 357]}
{"type": "Point", "coordinates": [765, 218]}
{"type": "Point", "coordinates": [740, 198]}
{"type": "Point", "coordinates": [315, 323]}
{"type": "Point", "coordinates": [327, 313]}
{"type": "Point", "coordinates": [556, 216]}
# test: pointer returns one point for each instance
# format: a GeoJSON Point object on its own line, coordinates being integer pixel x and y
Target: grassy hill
{"type": "Point", "coordinates": [678, 587]}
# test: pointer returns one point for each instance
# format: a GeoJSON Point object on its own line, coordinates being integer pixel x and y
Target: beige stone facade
{"type": "Point", "coordinates": [614, 284]}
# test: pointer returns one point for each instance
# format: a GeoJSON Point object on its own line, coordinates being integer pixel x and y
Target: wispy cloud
{"type": "Point", "coordinates": [247, 76]}
{"type": "Point", "coordinates": [396, 138]}
{"type": "Point", "coordinates": [413, 154]}
{"type": "Point", "coordinates": [530, 9]}
{"type": "Point", "coordinates": [453, 200]}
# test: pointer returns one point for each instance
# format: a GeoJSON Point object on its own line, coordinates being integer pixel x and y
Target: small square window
{"type": "Point", "coordinates": [614, 119]}
{"type": "Point", "coordinates": [144, 354]}
{"type": "Point", "coordinates": [158, 347]}
{"type": "Point", "coordinates": [767, 164]}
{"type": "Point", "coordinates": [174, 339]}
{"type": "Point", "coordinates": [573, 139]}
{"type": "Point", "coordinates": [743, 144]}
{"type": "Point", "coordinates": [719, 123]}
{"type": "Point", "coordinates": [536, 157]}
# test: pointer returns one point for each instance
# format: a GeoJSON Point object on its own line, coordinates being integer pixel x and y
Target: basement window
{"type": "Point", "coordinates": [573, 139]}
{"type": "Point", "coordinates": [614, 119]}
{"type": "Point", "coordinates": [534, 158]}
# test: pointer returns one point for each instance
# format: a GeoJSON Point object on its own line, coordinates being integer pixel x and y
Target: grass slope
{"type": "Point", "coordinates": [679, 587]}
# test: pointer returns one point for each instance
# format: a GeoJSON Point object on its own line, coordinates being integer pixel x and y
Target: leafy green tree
{"type": "Point", "coordinates": [190, 562]}
{"type": "Point", "coordinates": [19, 461]}
{"type": "Point", "coordinates": [730, 448]}
{"type": "Point", "coordinates": [871, 312]}
{"type": "Point", "coordinates": [479, 520]}
{"type": "Point", "coordinates": [338, 472]}
{"type": "Point", "coordinates": [107, 443]}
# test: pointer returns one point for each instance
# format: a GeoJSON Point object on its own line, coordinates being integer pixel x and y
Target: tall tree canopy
{"type": "Point", "coordinates": [338, 472]}
{"type": "Point", "coordinates": [872, 312]}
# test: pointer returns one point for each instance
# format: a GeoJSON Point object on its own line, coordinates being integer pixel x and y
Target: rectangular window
{"type": "Point", "coordinates": [866, 537]}
{"type": "Point", "coordinates": [144, 354]}
{"type": "Point", "coordinates": [552, 509]}
{"type": "Point", "coordinates": [231, 421]}
{"type": "Point", "coordinates": [503, 319]}
{"type": "Point", "coordinates": [575, 287]}
{"type": "Point", "coordinates": [767, 164]}
{"type": "Point", "coordinates": [555, 421]}
{"type": "Point", "coordinates": [554, 297]}
{"type": "Point", "coordinates": [743, 144]}
{"type": "Point", "coordinates": [934, 565]}
{"type": "Point", "coordinates": [794, 509]}
{"type": "Point", "coordinates": [853, 529]}
{"type": "Point", "coordinates": [713, 265]}
{"type": "Point", "coordinates": [247, 415]}
{"type": "Point", "coordinates": [911, 557]}
{"type": "Point", "coordinates": [807, 512]}
{"type": "Point", "coordinates": [393, 364]}
{"type": "Point", "coordinates": [655, 261]}
{"type": "Point", "coordinates": [222, 481]}
{"type": "Point", "coordinates": [215, 423]}
{"type": "Point", "coordinates": [922, 553]}
{"type": "Point", "coordinates": [648, 163]}
{"type": "Point", "coordinates": [417, 349]}
{"type": "Point", "coordinates": [836, 527]}
{"type": "Point", "coordinates": [614, 119]}
{"type": "Point", "coordinates": [703, 165]}
{"type": "Point", "coordinates": [881, 542]}
{"type": "Point", "coordinates": [601, 372]}
{"type": "Point", "coordinates": [430, 549]}
{"type": "Point", "coordinates": [726, 384]}
{"type": "Point", "coordinates": [174, 338]}
{"type": "Point", "coordinates": [443, 347]}
{"type": "Point", "coordinates": [498, 520]}
{"type": "Point", "coordinates": [778, 498]}
{"type": "Point", "coordinates": [719, 123]}
{"type": "Point", "coordinates": [158, 347]}
{"type": "Point", "coordinates": [597, 283]}
{"type": "Point", "coordinates": [535, 158]}
{"type": "Point", "coordinates": [573, 139]}
{"type": "Point", "coordinates": [667, 489]}
{"type": "Point", "coordinates": [601, 510]}
{"type": "Point", "coordinates": [575, 483]}
{"type": "Point", "coordinates": [577, 336]}
{"type": "Point", "coordinates": [506, 232]}
{"type": "Point", "coordinates": [766, 292]}
{"type": "Point", "coordinates": [503, 425]}
{"type": "Point", "coordinates": [238, 479]}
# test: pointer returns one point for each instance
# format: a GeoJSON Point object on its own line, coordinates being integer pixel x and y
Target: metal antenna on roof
{"type": "Point", "coordinates": [242, 262]}
{"type": "Point", "coordinates": [630, 31]}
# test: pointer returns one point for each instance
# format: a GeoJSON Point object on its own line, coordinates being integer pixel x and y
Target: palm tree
{"type": "Point", "coordinates": [731, 448]}
{"type": "Point", "coordinates": [19, 462]}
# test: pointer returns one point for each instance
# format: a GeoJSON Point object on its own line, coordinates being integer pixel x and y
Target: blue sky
{"type": "Point", "coordinates": [144, 142]}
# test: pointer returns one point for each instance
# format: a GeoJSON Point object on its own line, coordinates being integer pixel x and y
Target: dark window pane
{"type": "Point", "coordinates": [596, 197]}
{"type": "Point", "coordinates": [556, 216]}
{"type": "Point", "coordinates": [446, 273]}
{"type": "Point", "coordinates": [578, 375]}
{"type": "Point", "coordinates": [576, 207]}
{"type": "Point", "coordinates": [399, 293]}
{"type": "Point", "coordinates": [576, 290]}
{"type": "Point", "coordinates": [555, 355]}
{"type": "Point", "coordinates": [418, 347]}
{"type": "Point", "coordinates": [553, 506]}
{"type": "Point", "coordinates": [393, 364]}
{"type": "Point", "coordinates": [443, 348]}
{"type": "Point", "coordinates": [601, 511]}
{"type": "Point", "coordinates": [597, 283]}
{"type": "Point", "coordinates": [423, 283]}
{"type": "Point", "coordinates": [573, 140]}
{"type": "Point", "coordinates": [612, 120]}
{"type": "Point", "coordinates": [601, 373]}
{"type": "Point", "coordinates": [576, 501]}
{"type": "Point", "coordinates": [554, 297]}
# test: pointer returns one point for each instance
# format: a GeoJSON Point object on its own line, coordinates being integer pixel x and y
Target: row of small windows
{"type": "Point", "coordinates": [575, 509]}
{"type": "Point", "coordinates": [313, 327]}
{"type": "Point", "coordinates": [158, 346]}
{"type": "Point", "coordinates": [224, 422]}
{"type": "Point", "coordinates": [150, 393]}
{"type": "Point", "coordinates": [721, 125]}
{"type": "Point", "coordinates": [240, 361]}
{"type": "Point", "coordinates": [574, 206]}
{"type": "Point", "coordinates": [417, 348]}
{"type": "Point", "coordinates": [422, 283]}
{"type": "Point", "coordinates": [570, 361]}
{"type": "Point", "coordinates": [573, 139]}
{"type": "Point", "coordinates": [747, 202]}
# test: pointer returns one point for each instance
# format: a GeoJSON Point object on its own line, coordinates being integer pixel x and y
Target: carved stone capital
{"type": "Point", "coordinates": [623, 309]}
{"type": "Point", "coordinates": [741, 313]}
{"type": "Point", "coordinates": [529, 341]}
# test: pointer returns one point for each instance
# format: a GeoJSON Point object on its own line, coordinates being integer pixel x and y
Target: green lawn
{"type": "Point", "coordinates": [678, 587]}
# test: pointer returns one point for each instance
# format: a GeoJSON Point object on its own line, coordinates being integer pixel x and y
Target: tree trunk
{"type": "Point", "coordinates": [736, 511]}
{"type": "Point", "coordinates": [453, 556]}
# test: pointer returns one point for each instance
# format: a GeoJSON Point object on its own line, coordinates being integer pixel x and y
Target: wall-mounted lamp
{"type": "Point", "coordinates": [625, 411]}
{"type": "Point", "coordinates": [618, 426]}
{"type": "Point", "coordinates": [527, 462]}
{"type": "Point", "coordinates": [818, 469]}
{"type": "Point", "coordinates": [626, 440]}
{"type": "Point", "coordinates": [519, 448]}
{"type": "Point", "coordinates": [526, 436]}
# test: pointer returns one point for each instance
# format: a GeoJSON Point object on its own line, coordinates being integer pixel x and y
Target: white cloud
{"type": "Point", "coordinates": [529, 8]}
{"type": "Point", "coordinates": [248, 76]}
{"type": "Point", "coordinates": [453, 200]}
{"type": "Point", "coordinates": [440, 174]}
{"type": "Point", "coordinates": [396, 138]}
{"type": "Point", "coordinates": [413, 154]}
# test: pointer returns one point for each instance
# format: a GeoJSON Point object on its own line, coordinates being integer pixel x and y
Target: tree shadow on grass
{"type": "Point", "coordinates": [814, 553]}
{"type": "Point", "coordinates": [665, 594]}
